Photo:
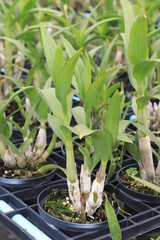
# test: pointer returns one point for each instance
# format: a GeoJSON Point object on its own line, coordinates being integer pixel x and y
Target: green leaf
{"type": "Point", "coordinates": [153, 33]}
{"type": "Point", "coordinates": [93, 94]}
{"type": "Point", "coordinates": [95, 159]}
{"type": "Point", "coordinates": [55, 124]}
{"type": "Point", "coordinates": [123, 124]}
{"type": "Point", "coordinates": [133, 149]}
{"type": "Point", "coordinates": [109, 91]}
{"type": "Point", "coordinates": [88, 74]}
{"type": "Point", "coordinates": [9, 143]}
{"type": "Point", "coordinates": [86, 155]}
{"type": "Point", "coordinates": [41, 108]}
{"type": "Point", "coordinates": [90, 29]}
{"type": "Point", "coordinates": [81, 130]}
{"type": "Point", "coordinates": [65, 79]}
{"type": "Point", "coordinates": [79, 115]}
{"type": "Point", "coordinates": [29, 116]}
{"type": "Point", "coordinates": [102, 142]}
{"type": "Point", "coordinates": [134, 105]}
{"type": "Point", "coordinates": [124, 138]}
{"type": "Point", "coordinates": [11, 9]}
{"type": "Point", "coordinates": [50, 167]}
{"type": "Point", "coordinates": [48, 83]}
{"type": "Point", "coordinates": [49, 49]}
{"type": "Point", "coordinates": [112, 221]}
{"type": "Point", "coordinates": [58, 63]}
{"type": "Point", "coordinates": [142, 69]}
{"type": "Point", "coordinates": [130, 67]}
{"type": "Point", "coordinates": [7, 102]}
{"type": "Point", "coordinates": [79, 69]}
{"type": "Point", "coordinates": [138, 41]}
{"type": "Point", "coordinates": [19, 46]}
{"type": "Point", "coordinates": [129, 18]}
{"type": "Point", "coordinates": [52, 101]}
{"type": "Point", "coordinates": [93, 51]}
{"type": "Point", "coordinates": [106, 56]}
{"type": "Point", "coordinates": [17, 82]}
{"type": "Point", "coordinates": [147, 132]}
{"type": "Point", "coordinates": [24, 145]}
{"type": "Point", "coordinates": [150, 185]}
{"type": "Point", "coordinates": [112, 117]}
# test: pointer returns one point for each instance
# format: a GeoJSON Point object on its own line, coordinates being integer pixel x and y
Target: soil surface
{"type": "Point", "coordinates": [17, 173]}
{"type": "Point", "coordinates": [59, 205]}
{"type": "Point", "coordinates": [137, 186]}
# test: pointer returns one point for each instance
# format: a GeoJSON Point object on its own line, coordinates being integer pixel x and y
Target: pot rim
{"type": "Point", "coordinates": [76, 226]}
{"type": "Point", "coordinates": [119, 178]}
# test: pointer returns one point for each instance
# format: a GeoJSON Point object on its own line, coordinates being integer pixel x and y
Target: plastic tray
{"type": "Point", "coordinates": [135, 219]}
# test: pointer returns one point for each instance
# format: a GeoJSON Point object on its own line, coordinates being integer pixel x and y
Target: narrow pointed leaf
{"type": "Point", "coordinates": [133, 149]}
{"type": "Point", "coordinates": [102, 142]}
{"type": "Point", "coordinates": [106, 56]}
{"type": "Point", "coordinates": [111, 123]}
{"type": "Point", "coordinates": [129, 18]}
{"type": "Point", "coordinates": [50, 167]}
{"type": "Point", "coordinates": [41, 108]}
{"type": "Point", "coordinates": [147, 132]}
{"type": "Point", "coordinates": [55, 124]}
{"type": "Point", "coordinates": [145, 183]}
{"type": "Point", "coordinates": [124, 138]}
{"type": "Point", "coordinates": [52, 101]}
{"type": "Point", "coordinates": [24, 145]}
{"type": "Point", "coordinates": [9, 143]}
{"type": "Point", "coordinates": [88, 74]}
{"type": "Point", "coordinates": [65, 80]}
{"type": "Point", "coordinates": [58, 63]}
{"type": "Point", "coordinates": [79, 69]}
{"type": "Point", "coordinates": [112, 221]}
{"type": "Point", "coordinates": [79, 115]}
{"type": "Point", "coordinates": [49, 49]}
{"type": "Point", "coordinates": [81, 130]}
{"type": "Point", "coordinates": [138, 41]}
{"type": "Point", "coordinates": [142, 69]}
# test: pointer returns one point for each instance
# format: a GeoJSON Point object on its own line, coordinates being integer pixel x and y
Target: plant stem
{"type": "Point", "coordinates": [95, 197]}
{"type": "Point", "coordinates": [72, 179]}
{"type": "Point", "coordinates": [70, 162]}
{"type": "Point", "coordinates": [49, 149]}
{"type": "Point", "coordinates": [146, 166]}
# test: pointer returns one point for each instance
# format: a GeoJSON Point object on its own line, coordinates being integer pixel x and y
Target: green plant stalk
{"type": "Point", "coordinates": [49, 149]}
{"type": "Point", "coordinates": [70, 162]}
{"type": "Point", "coordinates": [72, 179]}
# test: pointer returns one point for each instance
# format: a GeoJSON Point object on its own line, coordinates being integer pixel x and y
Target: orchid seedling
{"type": "Point", "coordinates": [85, 195]}
{"type": "Point", "coordinates": [33, 151]}
{"type": "Point", "coordinates": [140, 65]}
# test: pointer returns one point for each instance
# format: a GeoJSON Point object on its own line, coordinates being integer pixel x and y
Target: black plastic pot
{"type": "Point", "coordinates": [33, 182]}
{"type": "Point", "coordinates": [64, 225]}
{"type": "Point", "coordinates": [147, 198]}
